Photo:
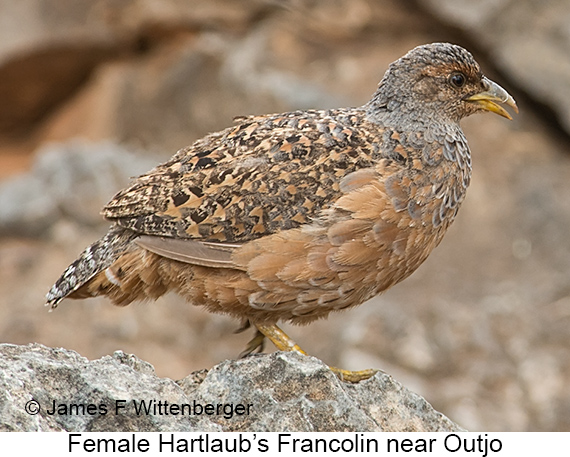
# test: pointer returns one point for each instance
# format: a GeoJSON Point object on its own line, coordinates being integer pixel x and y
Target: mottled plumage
{"type": "Point", "coordinates": [292, 216]}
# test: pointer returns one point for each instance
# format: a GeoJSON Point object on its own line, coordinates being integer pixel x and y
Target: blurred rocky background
{"type": "Point", "coordinates": [93, 92]}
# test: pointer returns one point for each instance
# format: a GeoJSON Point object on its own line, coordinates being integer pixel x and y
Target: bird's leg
{"type": "Point", "coordinates": [255, 345]}
{"type": "Point", "coordinates": [244, 326]}
{"type": "Point", "coordinates": [282, 342]}
{"type": "Point", "coordinates": [279, 338]}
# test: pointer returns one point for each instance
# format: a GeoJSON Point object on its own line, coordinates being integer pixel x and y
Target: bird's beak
{"type": "Point", "coordinates": [491, 95]}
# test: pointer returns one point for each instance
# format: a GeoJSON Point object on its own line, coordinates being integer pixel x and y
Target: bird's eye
{"type": "Point", "coordinates": [457, 79]}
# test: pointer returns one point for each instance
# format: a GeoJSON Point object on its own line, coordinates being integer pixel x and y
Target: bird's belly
{"type": "Point", "coordinates": [298, 277]}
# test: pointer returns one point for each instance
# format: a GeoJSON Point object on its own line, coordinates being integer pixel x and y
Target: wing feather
{"type": "Point", "coordinates": [264, 175]}
{"type": "Point", "coordinates": [216, 255]}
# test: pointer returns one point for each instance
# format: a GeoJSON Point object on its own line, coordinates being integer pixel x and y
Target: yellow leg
{"type": "Point", "coordinates": [282, 342]}
{"type": "Point", "coordinates": [255, 345]}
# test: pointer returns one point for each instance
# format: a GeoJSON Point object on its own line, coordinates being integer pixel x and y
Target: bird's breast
{"type": "Point", "coordinates": [386, 222]}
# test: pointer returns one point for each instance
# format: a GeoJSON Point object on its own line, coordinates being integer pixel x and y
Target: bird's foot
{"type": "Point", "coordinates": [282, 342]}
{"type": "Point", "coordinates": [353, 376]}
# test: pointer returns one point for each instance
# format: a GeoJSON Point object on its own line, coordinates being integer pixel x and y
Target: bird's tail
{"type": "Point", "coordinates": [92, 260]}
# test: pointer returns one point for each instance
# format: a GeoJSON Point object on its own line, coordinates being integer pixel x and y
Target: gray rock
{"type": "Point", "coordinates": [45, 389]}
{"type": "Point", "coordinates": [246, 68]}
{"type": "Point", "coordinates": [49, 48]}
{"type": "Point", "coordinates": [74, 179]}
{"type": "Point", "coordinates": [66, 40]}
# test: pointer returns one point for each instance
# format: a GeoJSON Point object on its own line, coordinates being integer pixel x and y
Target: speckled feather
{"type": "Point", "coordinates": [292, 216]}
{"type": "Point", "coordinates": [268, 173]}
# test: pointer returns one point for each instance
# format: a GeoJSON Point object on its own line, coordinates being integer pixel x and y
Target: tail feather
{"type": "Point", "coordinates": [92, 260]}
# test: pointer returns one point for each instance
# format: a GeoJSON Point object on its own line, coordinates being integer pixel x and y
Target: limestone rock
{"type": "Point", "coordinates": [49, 48]}
{"type": "Point", "coordinates": [45, 389]}
{"type": "Point", "coordinates": [75, 178]}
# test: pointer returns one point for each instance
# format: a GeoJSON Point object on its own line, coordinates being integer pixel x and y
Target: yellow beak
{"type": "Point", "coordinates": [492, 95]}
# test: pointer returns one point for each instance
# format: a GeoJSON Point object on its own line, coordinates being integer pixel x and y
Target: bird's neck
{"type": "Point", "coordinates": [437, 139]}
{"type": "Point", "coordinates": [395, 113]}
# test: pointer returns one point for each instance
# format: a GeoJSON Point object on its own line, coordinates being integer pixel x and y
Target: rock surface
{"type": "Point", "coordinates": [45, 389]}
{"type": "Point", "coordinates": [76, 178]}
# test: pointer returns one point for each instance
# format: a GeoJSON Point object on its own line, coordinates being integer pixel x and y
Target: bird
{"type": "Point", "coordinates": [288, 217]}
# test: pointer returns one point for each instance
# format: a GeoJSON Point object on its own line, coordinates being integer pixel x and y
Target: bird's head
{"type": "Point", "coordinates": [439, 80]}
